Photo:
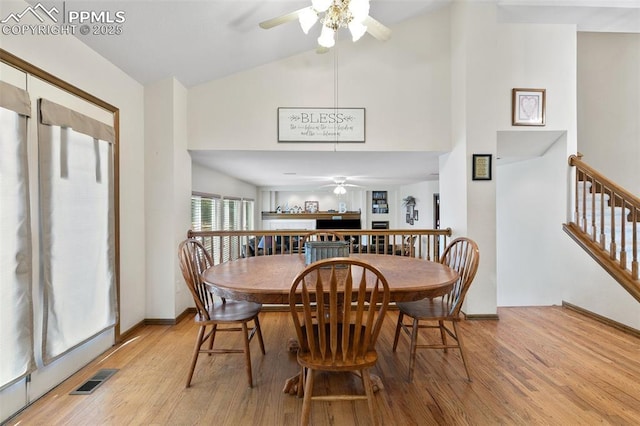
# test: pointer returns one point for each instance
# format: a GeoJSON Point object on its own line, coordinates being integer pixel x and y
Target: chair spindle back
{"type": "Point", "coordinates": [343, 304]}
{"type": "Point", "coordinates": [194, 259]}
{"type": "Point", "coordinates": [461, 255]}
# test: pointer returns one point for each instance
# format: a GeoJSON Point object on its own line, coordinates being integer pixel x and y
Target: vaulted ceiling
{"type": "Point", "coordinates": [200, 41]}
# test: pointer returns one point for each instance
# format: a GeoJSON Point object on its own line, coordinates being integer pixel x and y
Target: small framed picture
{"type": "Point", "coordinates": [311, 206]}
{"type": "Point", "coordinates": [528, 107]}
{"type": "Point", "coordinates": [481, 167]}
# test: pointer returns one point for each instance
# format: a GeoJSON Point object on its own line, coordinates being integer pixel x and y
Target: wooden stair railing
{"type": "Point", "coordinates": [230, 245]}
{"type": "Point", "coordinates": [605, 224]}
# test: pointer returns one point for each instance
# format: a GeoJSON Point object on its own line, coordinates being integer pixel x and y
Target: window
{"type": "Point", "coordinates": [211, 212]}
{"type": "Point", "coordinates": [232, 217]}
{"type": "Point", "coordinates": [247, 214]}
{"type": "Point", "coordinates": [16, 334]}
{"type": "Point", "coordinates": [76, 181]}
{"type": "Point", "coordinates": [205, 216]}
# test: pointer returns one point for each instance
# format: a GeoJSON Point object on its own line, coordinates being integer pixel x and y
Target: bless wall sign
{"type": "Point", "coordinates": [321, 124]}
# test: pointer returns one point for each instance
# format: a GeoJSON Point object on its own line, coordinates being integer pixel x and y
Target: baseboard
{"type": "Point", "coordinates": [169, 321]}
{"type": "Point", "coordinates": [187, 312]}
{"type": "Point", "coordinates": [604, 320]}
{"type": "Point", "coordinates": [154, 321]}
{"type": "Point", "coordinates": [130, 332]}
{"type": "Point", "coordinates": [160, 321]}
{"type": "Point", "coordinates": [474, 317]}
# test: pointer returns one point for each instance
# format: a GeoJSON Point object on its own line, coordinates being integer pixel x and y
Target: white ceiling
{"type": "Point", "coordinates": [196, 41]}
{"type": "Point", "coordinates": [313, 169]}
{"type": "Point", "coordinates": [202, 40]}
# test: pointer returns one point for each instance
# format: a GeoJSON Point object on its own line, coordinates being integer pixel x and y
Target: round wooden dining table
{"type": "Point", "coordinates": [268, 279]}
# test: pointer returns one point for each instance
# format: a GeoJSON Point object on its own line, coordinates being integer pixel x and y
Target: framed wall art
{"type": "Point", "coordinates": [321, 125]}
{"type": "Point", "coordinates": [311, 206]}
{"type": "Point", "coordinates": [528, 107]}
{"type": "Point", "coordinates": [481, 169]}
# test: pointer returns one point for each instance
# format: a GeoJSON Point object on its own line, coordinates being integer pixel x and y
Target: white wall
{"type": "Point", "coordinates": [609, 105]}
{"type": "Point", "coordinates": [531, 196]}
{"type": "Point", "coordinates": [326, 199]}
{"type": "Point", "coordinates": [423, 193]}
{"type": "Point", "coordinates": [403, 84]}
{"type": "Point", "coordinates": [538, 263]}
{"type": "Point", "coordinates": [591, 287]}
{"type": "Point", "coordinates": [468, 207]}
{"type": "Point", "coordinates": [71, 60]}
{"type": "Point", "coordinates": [211, 182]}
{"type": "Point", "coordinates": [181, 193]}
{"type": "Point", "coordinates": [159, 178]}
{"type": "Point", "coordinates": [489, 60]}
{"type": "Point", "coordinates": [530, 210]}
{"type": "Point", "coordinates": [609, 138]}
{"type": "Point", "coordinates": [168, 183]}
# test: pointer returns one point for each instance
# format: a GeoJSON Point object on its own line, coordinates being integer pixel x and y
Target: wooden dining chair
{"type": "Point", "coordinates": [338, 306]}
{"type": "Point", "coordinates": [213, 312]}
{"type": "Point", "coordinates": [461, 255]}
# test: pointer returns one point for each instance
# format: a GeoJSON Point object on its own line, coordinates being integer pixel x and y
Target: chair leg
{"type": "Point", "coordinates": [196, 352]}
{"type": "Point", "coordinates": [212, 338]}
{"type": "Point", "coordinates": [368, 389]}
{"type": "Point", "coordinates": [414, 344]}
{"type": "Point", "coordinates": [259, 331]}
{"type": "Point", "coordinates": [247, 353]}
{"type": "Point", "coordinates": [443, 335]}
{"type": "Point", "coordinates": [306, 403]}
{"type": "Point", "coordinates": [460, 345]}
{"type": "Point", "coordinates": [301, 382]}
{"type": "Point", "coordinates": [398, 328]}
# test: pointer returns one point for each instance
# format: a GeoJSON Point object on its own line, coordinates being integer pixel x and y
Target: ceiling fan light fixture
{"type": "Point", "coordinates": [334, 15]}
{"type": "Point", "coordinates": [321, 5]}
{"type": "Point", "coordinates": [339, 190]}
{"type": "Point", "coordinates": [308, 18]}
{"type": "Point", "coordinates": [327, 37]}
{"type": "Point", "coordinates": [359, 9]}
{"type": "Point", "coordinates": [357, 30]}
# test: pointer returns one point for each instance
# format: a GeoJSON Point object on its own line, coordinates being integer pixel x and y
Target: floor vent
{"type": "Point", "coordinates": [90, 385]}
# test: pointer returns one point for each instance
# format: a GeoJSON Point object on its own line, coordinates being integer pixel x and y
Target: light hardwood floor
{"type": "Point", "coordinates": [538, 365]}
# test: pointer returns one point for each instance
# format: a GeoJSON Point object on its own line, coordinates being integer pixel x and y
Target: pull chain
{"type": "Point", "coordinates": [335, 95]}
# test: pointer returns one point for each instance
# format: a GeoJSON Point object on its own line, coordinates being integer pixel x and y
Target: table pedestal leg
{"type": "Point", "coordinates": [292, 385]}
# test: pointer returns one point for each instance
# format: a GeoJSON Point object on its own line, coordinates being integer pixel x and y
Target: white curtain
{"type": "Point", "coordinates": [77, 218]}
{"type": "Point", "coordinates": [16, 318]}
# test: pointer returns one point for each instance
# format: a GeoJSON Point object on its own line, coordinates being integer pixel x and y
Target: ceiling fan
{"type": "Point", "coordinates": [340, 185]}
{"type": "Point", "coordinates": [333, 15]}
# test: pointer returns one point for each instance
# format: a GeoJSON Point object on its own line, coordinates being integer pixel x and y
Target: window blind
{"type": "Point", "coordinates": [213, 213]}
{"type": "Point", "coordinates": [232, 221]}
{"type": "Point", "coordinates": [77, 218]}
{"type": "Point", "coordinates": [206, 216]}
{"type": "Point", "coordinates": [16, 306]}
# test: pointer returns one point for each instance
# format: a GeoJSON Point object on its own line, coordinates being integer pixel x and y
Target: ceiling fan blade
{"type": "Point", "coordinates": [351, 185]}
{"type": "Point", "coordinates": [270, 23]}
{"type": "Point", "coordinates": [376, 29]}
